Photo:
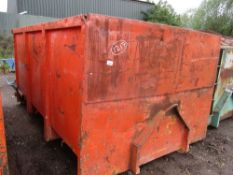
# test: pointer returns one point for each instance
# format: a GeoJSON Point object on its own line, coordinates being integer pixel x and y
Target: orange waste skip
{"type": "Point", "coordinates": [3, 150]}
{"type": "Point", "coordinates": [119, 92]}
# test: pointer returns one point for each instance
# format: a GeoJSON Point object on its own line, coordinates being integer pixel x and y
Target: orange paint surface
{"type": "Point", "coordinates": [3, 149]}
{"type": "Point", "coordinates": [119, 92]}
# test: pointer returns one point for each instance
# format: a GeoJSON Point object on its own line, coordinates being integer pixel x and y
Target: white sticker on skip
{"type": "Point", "coordinates": [109, 63]}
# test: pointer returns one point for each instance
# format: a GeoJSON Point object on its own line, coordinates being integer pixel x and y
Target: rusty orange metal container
{"type": "Point", "coordinates": [3, 149]}
{"type": "Point", "coordinates": [119, 92]}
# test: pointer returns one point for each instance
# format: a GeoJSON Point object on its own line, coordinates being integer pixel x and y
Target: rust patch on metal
{"type": "Point", "coordinates": [72, 47]}
{"type": "Point", "coordinates": [156, 108]}
{"type": "Point", "coordinates": [58, 75]}
{"type": "Point", "coordinates": [226, 73]}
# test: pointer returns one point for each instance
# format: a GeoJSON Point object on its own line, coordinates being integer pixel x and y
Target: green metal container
{"type": "Point", "coordinates": [222, 107]}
